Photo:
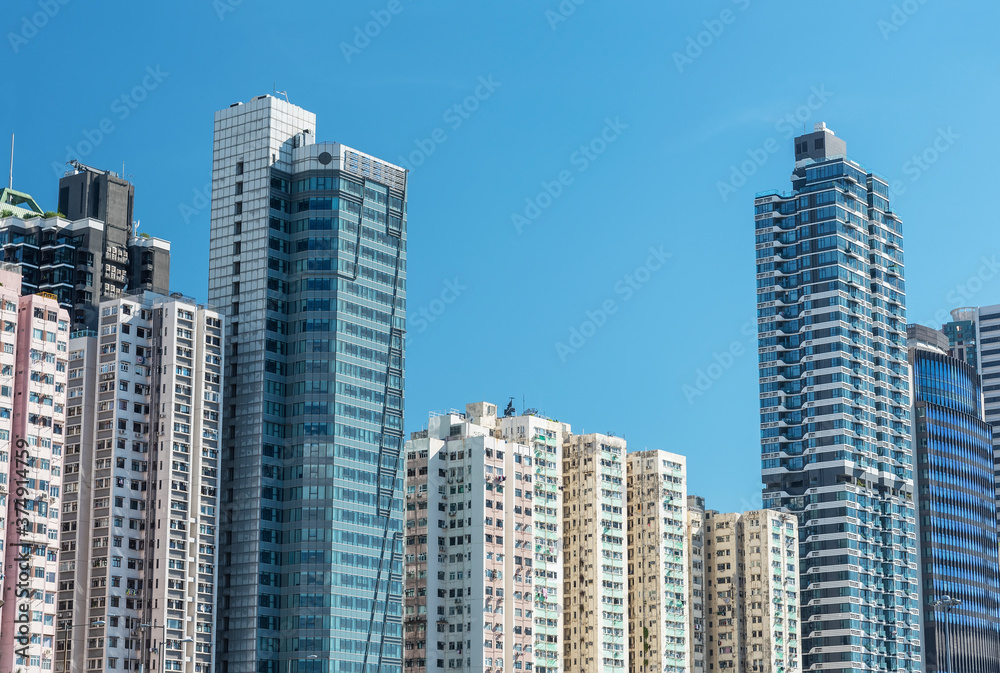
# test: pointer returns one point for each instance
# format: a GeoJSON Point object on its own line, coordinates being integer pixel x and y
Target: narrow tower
{"type": "Point", "coordinates": [835, 405]}
{"type": "Point", "coordinates": [308, 266]}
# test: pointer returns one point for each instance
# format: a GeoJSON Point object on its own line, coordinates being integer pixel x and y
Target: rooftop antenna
{"type": "Point", "coordinates": [10, 181]}
{"type": "Point", "coordinates": [274, 86]}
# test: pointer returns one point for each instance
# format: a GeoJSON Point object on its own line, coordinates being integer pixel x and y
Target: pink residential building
{"type": "Point", "coordinates": [34, 336]}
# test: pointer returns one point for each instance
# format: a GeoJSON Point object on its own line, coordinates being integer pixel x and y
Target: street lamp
{"type": "Point", "coordinates": [947, 602]}
{"type": "Point", "coordinates": [163, 640]}
{"type": "Point", "coordinates": [288, 663]}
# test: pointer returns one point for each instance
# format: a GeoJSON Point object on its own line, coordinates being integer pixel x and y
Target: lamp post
{"type": "Point", "coordinates": [163, 639]}
{"type": "Point", "coordinates": [185, 640]}
{"type": "Point", "coordinates": [947, 602]}
{"type": "Point", "coordinates": [288, 663]}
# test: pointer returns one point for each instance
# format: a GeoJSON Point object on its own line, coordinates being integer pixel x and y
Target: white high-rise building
{"type": "Point", "coordinates": [139, 527]}
{"type": "Point", "coordinates": [483, 587]}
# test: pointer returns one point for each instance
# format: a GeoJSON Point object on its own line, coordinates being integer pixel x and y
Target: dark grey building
{"type": "Point", "coordinates": [99, 195]}
{"type": "Point", "coordinates": [88, 252]}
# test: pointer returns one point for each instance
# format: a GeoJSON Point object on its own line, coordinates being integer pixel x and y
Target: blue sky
{"type": "Point", "coordinates": [581, 200]}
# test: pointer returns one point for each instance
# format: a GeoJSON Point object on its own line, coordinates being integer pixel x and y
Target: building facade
{"type": "Point", "coordinates": [835, 406]}
{"type": "Point", "coordinates": [962, 336]}
{"type": "Point", "coordinates": [308, 266]}
{"type": "Point", "coordinates": [697, 616]}
{"type": "Point", "coordinates": [33, 365]}
{"type": "Point", "coordinates": [956, 507]}
{"type": "Point", "coordinates": [751, 592]}
{"type": "Point", "coordinates": [483, 562]}
{"type": "Point", "coordinates": [659, 582]}
{"type": "Point", "coordinates": [86, 192]}
{"type": "Point", "coordinates": [595, 555]}
{"type": "Point", "coordinates": [974, 337]}
{"type": "Point", "coordinates": [139, 522]}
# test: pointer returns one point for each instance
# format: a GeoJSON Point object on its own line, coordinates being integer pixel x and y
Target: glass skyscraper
{"type": "Point", "coordinates": [835, 406]}
{"type": "Point", "coordinates": [974, 336]}
{"type": "Point", "coordinates": [958, 533]}
{"type": "Point", "coordinates": [308, 264]}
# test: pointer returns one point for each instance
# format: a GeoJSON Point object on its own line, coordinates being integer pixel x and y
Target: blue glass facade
{"type": "Point", "coordinates": [958, 534]}
{"type": "Point", "coordinates": [835, 406]}
{"type": "Point", "coordinates": [974, 336]}
{"type": "Point", "coordinates": [308, 261]}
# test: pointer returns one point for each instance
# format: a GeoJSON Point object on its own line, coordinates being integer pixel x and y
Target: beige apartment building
{"type": "Point", "coordinates": [596, 555]}
{"type": "Point", "coordinates": [658, 566]}
{"type": "Point", "coordinates": [528, 547]}
{"type": "Point", "coordinates": [695, 544]}
{"type": "Point", "coordinates": [751, 592]}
